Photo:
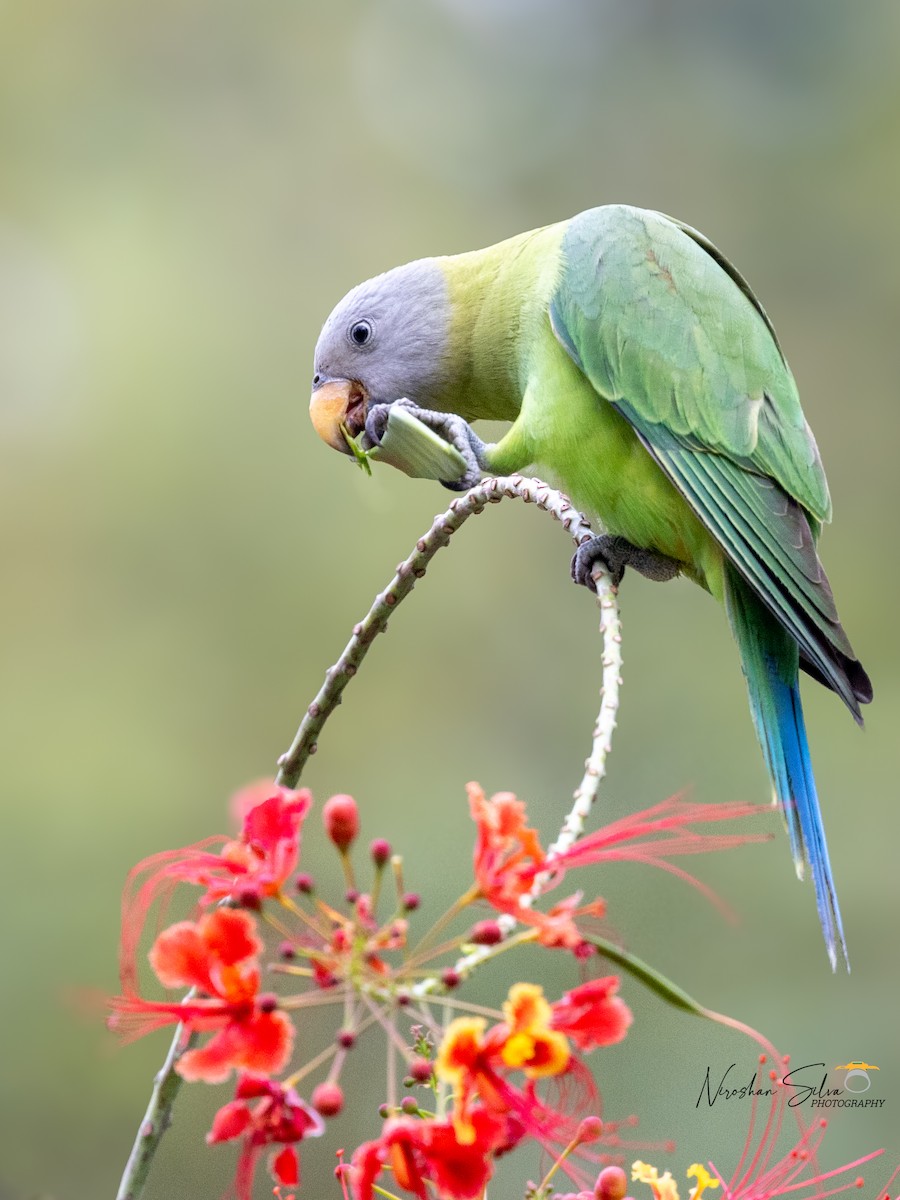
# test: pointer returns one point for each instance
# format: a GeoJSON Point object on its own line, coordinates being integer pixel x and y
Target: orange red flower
{"type": "Point", "coordinates": [478, 1061]}
{"type": "Point", "coordinates": [420, 1152]}
{"type": "Point", "coordinates": [216, 956]}
{"type": "Point", "coordinates": [279, 1117]}
{"type": "Point", "coordinates": [592, 1014]}
{"type": "Point", "coordinates": [508, 853]}
{"type": "Point", "coordinates": [248, 869]}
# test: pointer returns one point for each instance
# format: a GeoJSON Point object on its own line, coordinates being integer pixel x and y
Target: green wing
{"type": "Point", "coordinates": [669, 332]}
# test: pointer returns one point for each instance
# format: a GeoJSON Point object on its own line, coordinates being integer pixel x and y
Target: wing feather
{"type": "Point", "coordinates": [671, 334]}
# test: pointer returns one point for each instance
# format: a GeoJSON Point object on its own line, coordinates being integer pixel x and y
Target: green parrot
{"type": "Point", "coordinates": [636, 364]}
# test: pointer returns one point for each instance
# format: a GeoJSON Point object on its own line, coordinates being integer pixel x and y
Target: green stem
{"type": "Point", "coordinates": [490, 491]}
{"type": "Point", "coordinates": [157, 1119]}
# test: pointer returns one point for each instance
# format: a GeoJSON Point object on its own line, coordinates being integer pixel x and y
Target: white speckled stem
{"type": "Point", "coordinates": [594, 767]}
{"type": "Point", "coordinates": [472, 502]}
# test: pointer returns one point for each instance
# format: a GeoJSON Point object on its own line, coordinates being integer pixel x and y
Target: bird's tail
{"type": "Point", "coordinates": [769, 657]}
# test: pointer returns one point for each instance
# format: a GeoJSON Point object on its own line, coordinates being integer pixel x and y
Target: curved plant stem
{"type": "Point", "coordinates": [474, 501]}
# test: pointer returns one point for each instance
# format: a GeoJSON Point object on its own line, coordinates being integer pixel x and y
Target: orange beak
{"type": "Point", "coordinates": [335, 403]}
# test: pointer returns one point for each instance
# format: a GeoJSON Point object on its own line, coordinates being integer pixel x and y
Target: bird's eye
{"type": "Point", "coordinates": [360, 332]}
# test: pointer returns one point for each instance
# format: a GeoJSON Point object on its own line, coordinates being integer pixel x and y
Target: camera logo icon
{"type": "Point", "coordinates": [859, 1073]}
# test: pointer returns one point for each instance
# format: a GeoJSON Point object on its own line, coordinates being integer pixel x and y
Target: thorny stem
{"type": "Point", "coordinates": [474, 501]}
{"type": "Point", "coordinates": [292, 762]}
{"type": "Point", "coordinates": [490, 491]}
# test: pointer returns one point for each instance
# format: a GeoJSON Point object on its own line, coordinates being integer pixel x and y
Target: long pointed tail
{"type": "Point", "coordinates": [769, 657]}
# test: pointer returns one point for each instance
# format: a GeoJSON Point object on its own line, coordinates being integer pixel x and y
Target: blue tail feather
{"type": "Point", "coordinates": [770, 661]}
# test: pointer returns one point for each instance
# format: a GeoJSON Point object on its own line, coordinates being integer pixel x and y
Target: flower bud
{"type": "Point", "coordinates": [409, 1105]}
{"type": "Point", "coordinates": [286, 950]}
{"type": "Point", "coordinates": [328, 1099]}
{"type": "Point", "coordinates": [380, 851]}
{"type": "Point", "coordinates": [411, 901]}
{"type": "Point", "coordinates": [590, 1129]}
{"type": "Point", "coordinates": [267, 1002]}
{"type": "Point", "coordinates": [421, 1070]}
{"type": "Point", "coordinates": [486, 933]}
{"type": "Point", "coordinates": [346, 1039]}
{"type": "Point", "coordinates": [304, 883]}
{"type": "Point", "coordinates": [612, 1184]}
{"type": "Point", "coordinates": [341, 819]}
{"type": "Point", "coordinates": [450, 978]}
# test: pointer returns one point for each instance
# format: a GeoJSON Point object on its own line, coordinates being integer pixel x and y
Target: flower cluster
{"type": "Point", "coordinates": [494, 1077]}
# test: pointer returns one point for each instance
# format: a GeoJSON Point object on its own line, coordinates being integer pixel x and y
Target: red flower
{"type": "Point", "coordinates": [249, 868]}
{"type": "Point", "coordinates": [217, 956]}
{"type": "Point", "coordinates": [422, 1152]}
{"type": "Point", "coordinates": [477, 1061]}
{"type": "Point", "coordinates": [508, 853]}
{"type": "Point", "coordinates": [509, 857]}
{"type": "Point", "coordinates": [592, 1014]}
{"type": "Point", "coordinates": [279, 1118]}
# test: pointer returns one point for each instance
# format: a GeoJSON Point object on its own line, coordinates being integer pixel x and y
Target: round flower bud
{"type": "Point", "coordinates": [421, 1070]}
{"type": "Point", "coordinates": [380, 851]}
{"type": "Point", "coordinates": [450, 978]}
{"type": "Point", "coordinates": [612, 1184]}
{"type": "Point", "coordinates": [341, 819]}
{"type": "Point", "coordinates": [486, 933]}
{"type": "Point", "coordinates": [304, 883]}
{"type": "Point", "coordinates": [590, 1129]}
{"type": "Point", "coordinates": [328, 1099]}
{"type": "Point", "coordinates": [411, 901]}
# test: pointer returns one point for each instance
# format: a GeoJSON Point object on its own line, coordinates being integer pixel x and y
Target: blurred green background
{"type": "Point", "coordinates": [186, 188]}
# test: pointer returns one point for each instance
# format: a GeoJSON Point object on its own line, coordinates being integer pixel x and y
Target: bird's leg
{"type": "Point", "coordinates": [449, 426]}
{"type": "Point", "coordinates": [616, 554]}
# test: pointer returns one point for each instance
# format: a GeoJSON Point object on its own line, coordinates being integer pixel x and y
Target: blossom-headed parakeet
{"type": "Point", "coordinates": [636, 364]}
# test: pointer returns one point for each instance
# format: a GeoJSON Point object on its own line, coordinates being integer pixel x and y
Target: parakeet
{"type": "Point", "coordinates": [636, 365]}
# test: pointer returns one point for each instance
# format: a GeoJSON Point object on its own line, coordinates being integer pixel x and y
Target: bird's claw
{"type": "Point", "coordinates": [453, 429]}
{"type": "Point", "coordinates": [616, 553]}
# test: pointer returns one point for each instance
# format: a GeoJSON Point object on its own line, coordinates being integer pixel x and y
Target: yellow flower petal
{"type": "Point", "coordinates": [664, 1186]}
{"type": "Point", "coordinates": [704, 1180]}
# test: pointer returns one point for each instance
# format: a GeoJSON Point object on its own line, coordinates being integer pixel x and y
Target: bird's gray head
{"type": "Point", "coordinates": [386, 340]}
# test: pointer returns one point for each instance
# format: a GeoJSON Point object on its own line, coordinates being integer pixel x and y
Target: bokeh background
{"type": "Point", "coordinates": [186, 188]}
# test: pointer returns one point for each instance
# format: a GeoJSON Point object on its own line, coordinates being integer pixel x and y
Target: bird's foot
{"type": "Point", "coordinates": [453, 429]}
{"type": "Point", "coordinates": [615, 553]}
